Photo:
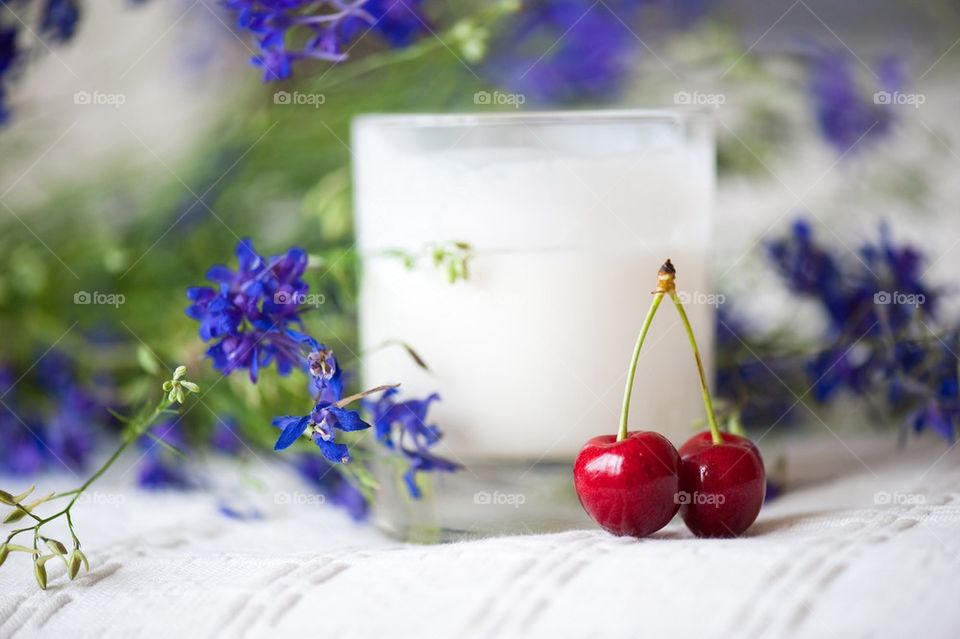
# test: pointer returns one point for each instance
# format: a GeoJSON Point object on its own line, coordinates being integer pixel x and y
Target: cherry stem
{"type": "Point", "coordinates": [707, 402]}
{"type": "Point", "coordinates": [632, 371]}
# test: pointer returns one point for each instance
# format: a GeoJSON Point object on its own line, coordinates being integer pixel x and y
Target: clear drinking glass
{"type": "Point", "coordinates": [569, 215]}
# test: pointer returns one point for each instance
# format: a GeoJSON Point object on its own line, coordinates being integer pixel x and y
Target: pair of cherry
{"type": "Point", "coordinates": [635, 482]}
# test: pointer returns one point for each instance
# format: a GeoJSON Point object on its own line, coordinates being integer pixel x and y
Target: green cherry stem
{"type": "Point", "coordinates": [632, 371]}
{"type": "Point", "coordinates": [707, 402]}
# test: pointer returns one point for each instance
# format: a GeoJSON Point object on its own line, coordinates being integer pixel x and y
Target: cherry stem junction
{"type": "Point", "coordinates": [666, 285]}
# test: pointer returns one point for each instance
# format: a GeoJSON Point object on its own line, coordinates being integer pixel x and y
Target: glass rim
{"type": "Point", "coordinates": [596, 116]}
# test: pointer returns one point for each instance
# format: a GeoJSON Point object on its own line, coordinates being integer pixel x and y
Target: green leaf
{"type": "Point", "coordinates": [33, 504]}
{"type": "Point", "coordinates": [146, 360]}
{"type": "Point", "coordinates": [56, 546]}
{"type": "Point", "coordinates": [4, 552]}
{"type": "Point", "coordinates": [7, 498]}
{"type": "Point", "coordinates": [19, 548]}
{"type": "Point", "coordinates": [23, 510]}
{"type": "Point", "coordinates": [17, 514]}
{"type": "Point", "coordinates": [24, 494]}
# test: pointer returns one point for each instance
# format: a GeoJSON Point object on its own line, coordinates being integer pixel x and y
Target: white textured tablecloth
{"type": "Point", "coordinates": [827, 561]}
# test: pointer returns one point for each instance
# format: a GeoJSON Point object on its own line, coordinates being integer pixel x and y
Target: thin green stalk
{"type": "Point", "coordinates": [132, 435]}
{"type": "Point", "coordinates": [707, 402]}
{"type": "Point", "coordinates": [632, 371]}
{"type": "Point", "coordinates": [174, 390]}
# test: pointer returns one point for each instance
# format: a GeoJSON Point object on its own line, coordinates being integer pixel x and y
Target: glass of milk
{"type": "Point", "coordinates": [568, 216]}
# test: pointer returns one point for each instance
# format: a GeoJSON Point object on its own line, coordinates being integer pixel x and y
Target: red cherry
{"type": "Point", "coordinates": [722, 485]}
{"type": "Point", "coordinates": [628, 487]}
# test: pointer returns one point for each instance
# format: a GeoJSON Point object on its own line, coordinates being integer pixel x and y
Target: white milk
{"type": "Point", "coordinates": [570, 215]}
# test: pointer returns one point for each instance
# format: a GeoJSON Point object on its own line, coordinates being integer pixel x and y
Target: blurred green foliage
{"type": "Point", "coordinates": [278, 173]}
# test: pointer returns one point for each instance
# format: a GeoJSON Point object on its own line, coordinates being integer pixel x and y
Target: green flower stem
{"type": "Point", "coordinates": [632, 371]}
{"type": "Point", "coordinates": [132, 434]}
{"type": "Point", "coordinates": [707, 402]}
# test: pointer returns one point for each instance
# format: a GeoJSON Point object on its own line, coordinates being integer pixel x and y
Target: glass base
{"type": "Point", "coordinates": [481, 500]}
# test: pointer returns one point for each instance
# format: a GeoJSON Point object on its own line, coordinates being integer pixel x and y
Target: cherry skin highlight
{"type": "Point", "coordinates": [721, 485]}
{"type": "Point", "coordinates": [628, 487]}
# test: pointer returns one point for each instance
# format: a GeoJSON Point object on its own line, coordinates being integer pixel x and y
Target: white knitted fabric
{"type": "Point", "coordinates": [827, 561]}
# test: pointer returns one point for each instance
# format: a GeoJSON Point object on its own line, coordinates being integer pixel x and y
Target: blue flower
{"type": "Point", "coordinates": [68, 433]}
{"type": "Point", "coordinates": [21, 453]}
{"type": "Point", "coordinates": [226, 436]}
{"type": "Point", "coordinates": [878, 342]}
{"type": "Point", "coordinates": [4, 110]}
{"type": "Point", "coordinates": [159, 467]}
{"type": "Point", "coordinates": [754, 386]}
{"type": "Point", "coordinates": [8, 57]}
{"type": "Point", "coordinates": [326, 374]}
{"type": "Point", "coordinates": [564, 50]}
{"type": "Point", "coordinates": [402, 426]}
{"type": "Point", "coordinates": [288, 31]}
{"type": "Point", "coordinates": [334, 486]}
{"type": "Point", "coordinates": [8, 48]}
{"type": "Point", "coordinates": [47, 435]}
{"type": "Point", "coordinates": [845, 112]}
{"type": "Point", "coordinates": [250, 315]}
{"type": "Point", "coordinates": [849, 287]}
{"type": "Point", "coordinates": [843, 367]}
{"type": "Point", "coordinates": [238, 509]}
{"type": "Point", "coordinates": [937, 417]}
{"type": "Point", "coordinates": [320, 425]}
{"type": "Point", "coordinates": [399, 22]}
{"type": "Point", "coordinates": [58, 20]}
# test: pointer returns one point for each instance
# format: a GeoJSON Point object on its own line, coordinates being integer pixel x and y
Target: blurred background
{"type": "Point", "coordinates": [140, 144]}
